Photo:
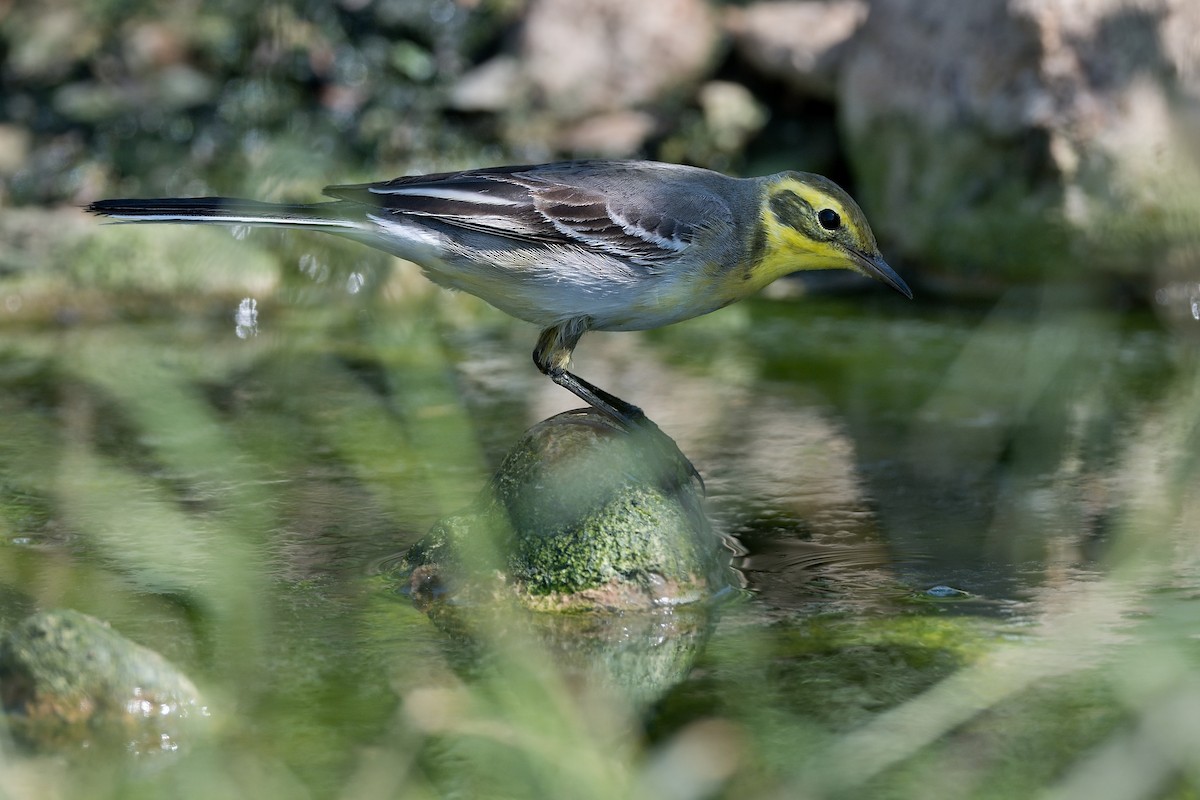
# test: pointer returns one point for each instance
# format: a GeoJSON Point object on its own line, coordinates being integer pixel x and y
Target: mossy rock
{"type": "Point", "coordinates": [584, 516]}
{"type": "Point", "coordinates": [68, 680]}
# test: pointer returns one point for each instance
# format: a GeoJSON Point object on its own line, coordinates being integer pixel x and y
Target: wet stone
{"type": "Point", "coordinates": [943, 592]}
{"type": "Point", "coordinates": [68, 680]}
{"type": "Point", "coordinates": [584, 516]}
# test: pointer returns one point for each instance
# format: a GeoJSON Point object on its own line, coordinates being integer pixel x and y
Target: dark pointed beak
{"type": "Point", "coordinates": [877, 268]}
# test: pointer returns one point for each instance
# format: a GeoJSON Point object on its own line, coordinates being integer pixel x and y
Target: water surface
{"type": "Point", "coordinates": [909, 493]}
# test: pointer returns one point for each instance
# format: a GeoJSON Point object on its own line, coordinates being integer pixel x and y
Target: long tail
{"type": "Point", "coordinates": [339, 215]}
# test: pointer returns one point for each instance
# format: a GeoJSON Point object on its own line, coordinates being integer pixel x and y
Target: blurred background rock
{"type": "Point", "coordinates": [991, 142]}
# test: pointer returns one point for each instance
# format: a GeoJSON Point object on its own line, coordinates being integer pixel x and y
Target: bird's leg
{"type": "Point", "coordinates": [553, 353]}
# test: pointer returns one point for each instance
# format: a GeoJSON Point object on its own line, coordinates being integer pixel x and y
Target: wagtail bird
{"type": "Point", "coordinates": [579, 245]}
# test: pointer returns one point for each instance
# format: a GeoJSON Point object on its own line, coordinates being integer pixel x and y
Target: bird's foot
{"type": "Point", "coordinates": [673, 464]}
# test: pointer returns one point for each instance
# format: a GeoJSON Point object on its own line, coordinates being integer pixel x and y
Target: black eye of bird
{"type": "Point", "coordinates": [829, 219]}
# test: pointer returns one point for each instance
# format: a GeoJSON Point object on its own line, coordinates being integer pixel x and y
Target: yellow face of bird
{"type": "Point", "coordinates": [809, 222]}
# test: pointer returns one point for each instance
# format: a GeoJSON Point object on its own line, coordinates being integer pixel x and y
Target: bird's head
{"type": "Point", "coordinates": [809, 222]}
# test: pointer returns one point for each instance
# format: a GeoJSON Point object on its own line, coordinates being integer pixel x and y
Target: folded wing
{"type": "Point", "coordinates": [645, 218]}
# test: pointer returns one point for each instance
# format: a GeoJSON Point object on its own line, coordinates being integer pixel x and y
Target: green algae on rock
{"type": "Point", "coordinates": [583, 518]}
{"type": "Point", "coordinates": [69, 680]}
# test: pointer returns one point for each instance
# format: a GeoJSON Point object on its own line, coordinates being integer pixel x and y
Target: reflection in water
{"type": "Point", "coordinates": [792, 573]}
{"type": "Point", "coordinates": [246, 318]}
{"type": "Point", "coordinates": [1179, 299]}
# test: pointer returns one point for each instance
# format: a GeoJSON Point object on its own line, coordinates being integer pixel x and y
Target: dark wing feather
{"type": "Point", "coordinates": [609, 206]}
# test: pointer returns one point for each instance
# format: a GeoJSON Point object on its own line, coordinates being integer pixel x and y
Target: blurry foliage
{"type": "Point", "coordinates": [159, 93]}
{"type": "Point", "coordinates": [276, 99]}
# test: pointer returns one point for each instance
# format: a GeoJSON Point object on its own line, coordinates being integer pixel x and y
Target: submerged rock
{"type": "Point", "coordinates": [580, 516]}
{"type": "Point", "coordinates": [67, 679]}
